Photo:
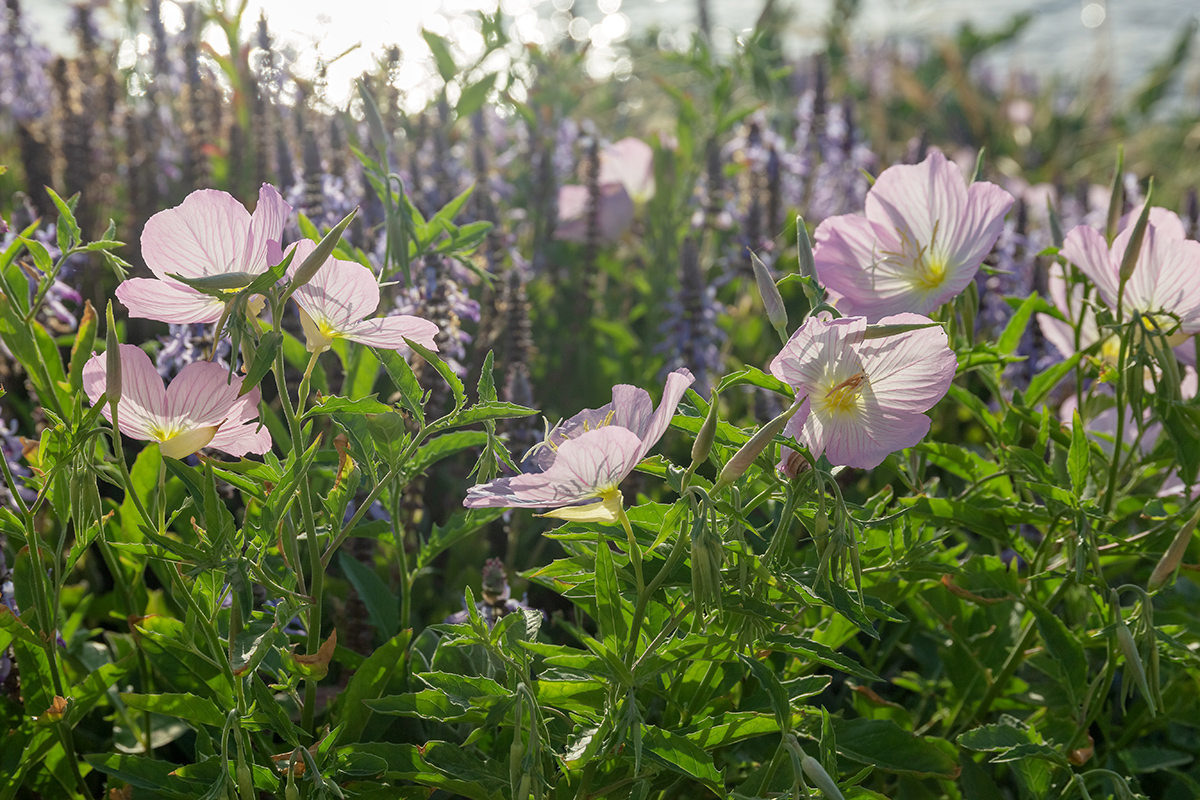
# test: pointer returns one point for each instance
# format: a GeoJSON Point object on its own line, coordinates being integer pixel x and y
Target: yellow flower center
{"type": "Point", "coordinates": [318, 334]}
{"type": "Point", "coordinates": [842, 397]}
{"type": "Point", "coordinates": [930, 271]}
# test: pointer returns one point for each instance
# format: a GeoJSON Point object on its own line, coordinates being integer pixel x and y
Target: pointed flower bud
{"type": "Point", "coordinates": [707, 433]}
{"type": "Point", "coordinates": [708, 553]}
{"type": "Point", "coordinates": [1164, 571]}
{"type": "Point", "coordinates": [772, 300]}
{"type": "Point", "coordinates": [820, 778]}
{"type": "Point", "coordinates": [804, 251]}
{"type": "Point", "coordinates": [753, 448]}
{"type": "Point", "coordinates": [1129, 260]}
{"type": "Point", "coordinates": [112, 359]}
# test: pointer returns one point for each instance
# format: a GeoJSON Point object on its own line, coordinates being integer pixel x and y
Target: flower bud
{"type": "Point", "coordinates": [112, 359]}
{"type": "Point", "coordinates": [751, 450]}
{"type": "Point", "coordinates": [245, 780]}
{"type": "Point", "coordinates": [1129, 259]}
{"type": "Point", "coordinates": [804, 251]}
{"type": "Point", "coordinates": [884, 331]}
{"type": "Point", "coordinates": [320, 254]}
{"type": "Point", "coordinates": [708, 553]}
{"type": "Point", "coordinates": [1133, 659]}
{"type": "Point", "coordinates": [707, 433]}
{"type": "Point", "coordinates": [1164, 571]}
{"type": "Point", "coordinates": [820, 778]}
{"type": "Point", "coordinates": [772, 300]}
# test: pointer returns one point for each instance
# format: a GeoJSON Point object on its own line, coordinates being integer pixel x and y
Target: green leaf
{"type": "Point", "coordinates": [461, 524]}
{"type": "Point", "coordinates": [187, 707]}
{"type": "Point", "coordinates": [820, 653]}
{"type": "Point", "coordinates": [1010, 338]}
{"type": "Point", "coordinates": [887, 746]}
{"type": "Point", "coordinates": [383, 608]}
{"type": "Point", "coordinates": [441, 55]}
{"type": "Point", "coordinates": [152, 774]}
{"type": "Point", "coordinates": [67, 226]}
{"type": "Point", "coordinates": [608, 597]}
{"type": "Point", "coordinates": [444, 446]}
{"type": "Point", "coordinates": [680, 755]}
{"type": "Point", "coordinates": [448, 375]}
{"type": "Point", "coordinates": [1047, 379]}
{"type": "Point", "coordinates": [342, 405]}
{"type": "Point", "coordinates": [1065, 649]}
{"type": "Point", "coordinates": [780, 703]}
{"type": "Point", "coordinates": [264, 359]}
{"type": "Point", "coordinates": [370, 680]}
{"type": "Point", "coordinates": [1079, 455]}
{"type": "Point", "coordinates": [412, 397]}
{"type": "Point", "coordinates": [492, 409]}
{"type": "Point", "coordinates": [473, 96]}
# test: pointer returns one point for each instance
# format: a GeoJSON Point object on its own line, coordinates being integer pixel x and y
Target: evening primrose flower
{"type": "Point", "coordinates": [920, 244]}
{"type": "Point", "coordinates": [578, 468]}
{"type": "Point", "coordinates": [1164, 283]}
{"type": "Point", "coordinates": [201, 407]}
{"type": "Point", "coordinates": [335, 301]}
{"type": "Point", "coordinates": [863, 398]}
{"type": "Point", "coordinates": [210, 233]}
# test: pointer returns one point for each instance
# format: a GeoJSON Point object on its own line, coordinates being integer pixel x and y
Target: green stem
{"type": "Point", "coordinates": [639, 611]}
{"type": "Point", "coordinates": [635, 552]}
{"type": "Point", "coordinates": [1118, 441]}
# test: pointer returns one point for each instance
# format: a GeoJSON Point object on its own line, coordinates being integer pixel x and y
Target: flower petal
{"type": "Point", "coordinates": [266, 226]}
{"type": "Point", "coordinates": [910, 371]}
{"type": "Point", "coordinates": [865, 442]}
{"type": "Point", "coordinates": [204, 235]}
{"type": "Point", "coordinates": [1086, 249]}
{"type": "Point", "coordinates": [143, 404]}
{"type": "Point", "coordinates": [389, 333]}
{"type": "Point", "coordinates": [917, 198]}
{"type": "Point", "coordinates": [583, 468]}
{"type": "Point", "coordinates": [629, 162]}
{"type": "Point", "coordinates": [340, 292]}
{"type": "Point", "coordinates": [677, 383]}
{"type": "Point", "coordinates": [202, 395]}
{"type": "Point", "coordinates": [242, 438]}
{"type": "Point", "coordinates": [167, 301]}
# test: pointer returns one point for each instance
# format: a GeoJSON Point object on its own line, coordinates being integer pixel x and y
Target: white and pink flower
{"type": "Point", "coordinates": [920, 244]}
{"type": "Point", "coordinates": [863, 398]}
{"type": "Point", "coordinates": [201, 407]}
{"type": "Point", "coordinates": [337, 300]}
{"type": "Point", "coordinates": [210, 233]}
{"type": "Point", "coordinates": [579, 467]}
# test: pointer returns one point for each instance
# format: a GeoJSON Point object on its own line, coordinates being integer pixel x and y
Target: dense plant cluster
{"type": "Point", "coordinates": [882, 486]}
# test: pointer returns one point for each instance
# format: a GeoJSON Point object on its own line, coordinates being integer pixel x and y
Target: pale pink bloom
{"type": "Point", "coordinates": [614, 213]}
{"type": "Point", "coordinates": [629, 162]}
{"type": "Point", "coordinates": [200, 408]}
{"type": "Point", "coordinates": [335, 302]}
{"type": "Point", "coordinates": [864, 398]}
{"type": "Point", "coordinates": [1074, 305]}
{"type": "Point", "coordinates": [1165, 283]}
{"type": "Point", "coordinates": [209, 233]}
{"type": "Point", "coordinates": [920, 244]}
{"type": "Point", "coordinates": [583, 460]}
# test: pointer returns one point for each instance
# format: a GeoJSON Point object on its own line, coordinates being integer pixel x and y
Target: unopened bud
{"type": "Point", "coordinates": [1164, 571]}
{"type": "Point", "coordinates": [706, 435]}
{"type": "Point", "coordinates": [804, 251]}
{"type": "Point", "coordinates": [753, 448]}
{"type": "Point", "coordinates": [245, 780]}
{"type": "Point", "coordinates": [708, 554]}
{"type": "Point", "coordinates": [772, 300]}
{"type": "Point", "coordinates": [1130, 258]}
{"type": "Point", "coordinates": [1116, 199]}
{"type": "Point", "coordinates": [820, 778]}
{"type": "Point", "coordinates": [1133, 659]}
{"type": "Point", "coordinates": [112, 359]}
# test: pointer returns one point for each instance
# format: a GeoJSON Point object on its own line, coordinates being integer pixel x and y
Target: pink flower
{"type": "Point", "coordinates": [334, 303]}
{"type": "Point", "coordinates": [200, 408]}
{"type": "Point", "coordinates": [614, 213]}
{"type": "Point", "coordinates": [865, 398]}
{"type": "Point", "coordinates": [629, 162]}
{"type": "Point", "coordinates": [1165, 283]}
{"type": "Point", "coordinates": [921, 242]}
{"type": "Point", "coordinates": [209, 233]}
{"type": "Point", "coordinates": [583, 460]}
{"type": "Point", "coordinates": [1074, 306]}
{"type": "Point", "coordinates": [626, 182]}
